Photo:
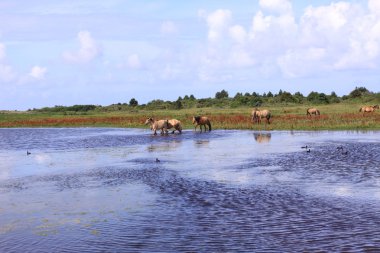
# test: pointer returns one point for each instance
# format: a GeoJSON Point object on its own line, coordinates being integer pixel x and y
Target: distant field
{"type": "Point", "coordinates": [340, 116]}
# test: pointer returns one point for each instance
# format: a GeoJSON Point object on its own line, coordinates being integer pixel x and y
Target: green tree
{"type": "Point", "coordinates": [221, 94]}
{"type": "Point", "coordinates": [358, 92]}
{"type": "Point", "coordinates": [178, 104]}
{"type": "Point", "coordinates": [333, 98]}
{"type": "Point", "coordinates": [133, 102]}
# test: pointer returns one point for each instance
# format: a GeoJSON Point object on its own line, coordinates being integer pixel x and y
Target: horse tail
{"type": "Point", "coordinates": [209, 125]}
{"type": "Point", "coordinates": [307, 112]}
{"type": "Point", "coordinates": [318, 113]}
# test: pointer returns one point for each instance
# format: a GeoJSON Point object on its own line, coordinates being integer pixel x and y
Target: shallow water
{"type": "Point", "coordinates": [100, 189]}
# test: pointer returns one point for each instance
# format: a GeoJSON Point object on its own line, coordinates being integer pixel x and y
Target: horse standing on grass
{"type": "Point", "coordinates": [155, 125]}
{"type": "Point", "coordinates": [258, 114]}
{"type": "Point", "coordinates": [176, 124]}
{"type": "Point", "coordinates": [311, 111]}
{"type": "Point", "coordinates": [202, 121]}
{"type": "Point", "coordinates": [368, 109]}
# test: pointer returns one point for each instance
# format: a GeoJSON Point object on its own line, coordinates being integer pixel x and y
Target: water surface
{"type": "Point", "coordinates": [101, 189]}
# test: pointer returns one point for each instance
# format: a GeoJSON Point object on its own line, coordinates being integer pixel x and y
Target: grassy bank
{"type": "Point", "coordinates": [341, 116]}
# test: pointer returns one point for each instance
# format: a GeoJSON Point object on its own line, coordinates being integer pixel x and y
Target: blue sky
{"type": "Point", "coordinates": [102, 52]}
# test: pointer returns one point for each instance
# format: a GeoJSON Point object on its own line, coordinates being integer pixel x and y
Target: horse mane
{"type": "Point", "coordinates": [197, 118]}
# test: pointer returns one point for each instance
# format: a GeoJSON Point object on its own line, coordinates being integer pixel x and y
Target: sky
{"type": "Point", "coordinates": [55, 52]}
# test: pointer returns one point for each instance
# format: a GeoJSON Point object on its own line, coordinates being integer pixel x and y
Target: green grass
{"type": "Point", "coordinates": [342, 116]}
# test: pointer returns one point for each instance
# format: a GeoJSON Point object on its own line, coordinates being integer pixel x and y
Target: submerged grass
{"type": "Point", "coordinates": [333, 117]}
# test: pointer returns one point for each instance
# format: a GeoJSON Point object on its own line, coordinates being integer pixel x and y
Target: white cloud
{"type": "Point", "coordinates": [218, 21]}
{"type": "Point", "coordinates": [337, 36]}
{"type": "Point", "coordinates": [168, 27]}
{"type": "Point", "coordinates": [238, 34]}
{"type": "Point", "coordinates": [134, 61]}
{"type": "Point", "coordinates": [2, 52]}
{"type": "Point", "coordinates": [302, 62]}
{"type": "Point", "coordinates": [88, 50]}
{"type": "Point", "coordinates": [7, 73]}
{"type": "Point", "coordinates": [374, 6]}
{"type": "Point", "coordinates": [38, 72]}
{"type": "Point", "coordinates": [277, 6]}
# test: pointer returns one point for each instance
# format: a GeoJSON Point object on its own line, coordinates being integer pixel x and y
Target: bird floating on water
{"type": "Point", "coordinates": [304, 146]}
{"type": "Point", "coordinates": [339, 147]}
{"type": "Point", "coordinates": [27, 152]}
{"type": "Point", "coordinates": [308, 150]}
{"type": "Point", "coordinates": [157, 161]}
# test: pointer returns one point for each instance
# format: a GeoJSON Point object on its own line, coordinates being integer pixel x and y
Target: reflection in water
{"type": "Point", "coordinates": [262, 137]}
{"type": "Point", "coordinates": [201, 143]}
{"type": "Point", "coordinates": [167, 146]}
{"type": "Point", "coordinates": [100, 190]}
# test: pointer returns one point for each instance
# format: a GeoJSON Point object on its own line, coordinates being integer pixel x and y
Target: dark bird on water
{"type": "Point", "coordinates": [27, 152]}
{"type": "Point", "coordinates": [304, 146]}
{"type": "Point", "coordinates": [157, 161]}
{"type": "Point", "coordinates": [308, 150]}
{"type": "Point", "coordinates": [340, 148]}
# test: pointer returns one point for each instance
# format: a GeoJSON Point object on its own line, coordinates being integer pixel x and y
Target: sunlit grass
{"type": "Point", "coordinates": [343, 116]}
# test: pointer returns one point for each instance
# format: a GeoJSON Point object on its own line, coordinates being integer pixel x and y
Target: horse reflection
{"type": "Point", "coordinates": [201, 143]}
{"type": "Point", "coordinates": [262, 137]}
{"type": "Point", "coordinates": [168, 146]}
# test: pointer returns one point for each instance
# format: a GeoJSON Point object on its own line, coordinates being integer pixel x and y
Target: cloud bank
{"type": "Point", "coordinates": [334, 37]}
{"type": "Point", "coordinates": [87, 52]}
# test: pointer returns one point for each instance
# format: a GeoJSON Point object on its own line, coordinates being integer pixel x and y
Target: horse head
{"type": "Point", "coordinates": [149, 121]}
{"type": "Point", "coordinates": [196, 119]}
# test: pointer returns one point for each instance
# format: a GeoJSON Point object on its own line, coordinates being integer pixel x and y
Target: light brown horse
{"type": "Point", "coordinates": [368, 109]}
{"type": "Point", "coordinates": [311, 111]}
{"type": "Point", "coordinates": [176, 124]}
{"type": "Point", "coordinates": [202, 121]}
{"type": "Point", "coordinates": [155, 125]}
{"type": "Point", "coordinates": [258, 114]}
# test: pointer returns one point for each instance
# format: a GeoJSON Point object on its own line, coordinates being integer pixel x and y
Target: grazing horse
{"type": "Point", "coordinates": [155, 125]}
{"type": "Point", "coordinates": [365, 109]}
{"type": "Point", "coordinates": [258, 114]}
{"type": "Point", "coordinates": [176, 124]}
{"type": "Point", "coordinates": [311, 111]}
{"type": "Point", "coordinates": [202, 121]}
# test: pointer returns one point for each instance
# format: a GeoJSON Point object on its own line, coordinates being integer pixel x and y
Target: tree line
{"type": "Point", "coordinates": [224, 100]}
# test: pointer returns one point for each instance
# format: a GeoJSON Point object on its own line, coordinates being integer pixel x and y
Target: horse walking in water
{"type": "Point", "coordinates": [368, 109]}
{"type": "Point", "coordinates": [258, 114]}
{"type": "Point", "coordinates": [311, 111]}
{"type": "Point", "coordinates": [155, 125]}
{"type": "Point", "coordinates": [202, 121]}
{"type": "Point", "coordinates": [176, 124]}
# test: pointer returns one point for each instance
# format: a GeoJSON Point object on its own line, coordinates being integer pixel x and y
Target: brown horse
{"type": "Point", "coordinates": [202, 121]}
{"type": "Point", "coordinates": [365, 109]}
{"type": "Point", "coordinates": [311, 111]}
{"type": "Point", "coordinates": [176, 124]}
{"type": "Point", "coordinates": [258, 114]}
{"type": "Point", "coordinates": [155, 125]}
